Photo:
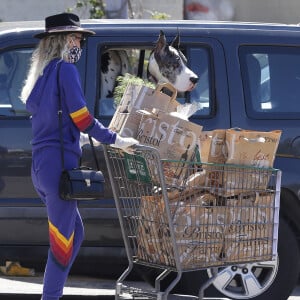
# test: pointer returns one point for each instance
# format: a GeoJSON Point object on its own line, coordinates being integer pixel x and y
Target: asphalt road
{"type": "Point", "coordinates": [77, 288]}
{"type": "Point", "coordinates": [296, 294]}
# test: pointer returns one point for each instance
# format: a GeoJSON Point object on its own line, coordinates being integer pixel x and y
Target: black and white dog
{"type": "Point", "coordinates": [114, 63]}
{"type": "Point", "coordinates": [166, 64]}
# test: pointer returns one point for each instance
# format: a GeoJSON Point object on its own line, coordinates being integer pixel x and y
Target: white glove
{"type": "Point", "coordinates": [125, 143]}
{"type": "Point", "coordinates": [84, 139]}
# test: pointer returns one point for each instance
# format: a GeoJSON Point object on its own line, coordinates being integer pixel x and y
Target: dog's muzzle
{"type": "Point", "coordinates": [193, 81]}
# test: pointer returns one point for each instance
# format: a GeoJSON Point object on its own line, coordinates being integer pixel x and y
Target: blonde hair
{"type": "Point", "coordinates": [50, 47]}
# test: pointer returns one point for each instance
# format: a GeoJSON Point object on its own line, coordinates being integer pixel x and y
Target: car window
{"type": "Point", "coordinates": [200, 62]}
{"type": "Point", "coordinates": [116, 61]}
{"type": "Point", "coordinates": [14, 65]}
{"type": "Point", "coordinates": [271, 79]}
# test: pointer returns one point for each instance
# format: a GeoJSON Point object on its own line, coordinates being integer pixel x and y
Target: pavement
{"type": "Point", "coordinates": [76, 288]}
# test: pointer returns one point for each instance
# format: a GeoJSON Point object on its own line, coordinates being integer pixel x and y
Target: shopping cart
{"type": "Point", "coordinates": [184, 216]}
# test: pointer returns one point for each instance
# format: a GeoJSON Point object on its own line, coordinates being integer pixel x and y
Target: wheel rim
{"type": "Point", "coordinates": [245, 281]}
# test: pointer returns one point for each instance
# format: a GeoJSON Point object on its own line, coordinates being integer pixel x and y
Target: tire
{"type": "Point", "coordinates": [276, 279]}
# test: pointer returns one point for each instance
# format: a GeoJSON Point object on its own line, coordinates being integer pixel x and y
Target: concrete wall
{"type": "Point", "coordinates": [18, 10]}
{"type": "Point", "coordinates": [282, 11]}
{"type": "Point", "coordinates": [286, 11]}
{"type": "Point", "coordinates": [174, 8]}
{"type": "Point", "coordinates": [276, 11]}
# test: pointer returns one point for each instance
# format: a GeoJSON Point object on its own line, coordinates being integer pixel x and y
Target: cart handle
{"type": "Point", "coordinates": [139, 147]}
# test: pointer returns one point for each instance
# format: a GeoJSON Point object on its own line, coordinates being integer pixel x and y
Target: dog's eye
{"type": "Point", "coordinates": [179, 61]}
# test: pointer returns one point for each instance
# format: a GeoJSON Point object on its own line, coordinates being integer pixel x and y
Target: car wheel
{"type": "Point", "coordinates": [259, 281]}
{"type": "Point", "coordinates": [245, 281]}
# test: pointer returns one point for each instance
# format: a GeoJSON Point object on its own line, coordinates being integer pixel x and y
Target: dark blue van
{"type": "Point", "coordinates": [249, 78]}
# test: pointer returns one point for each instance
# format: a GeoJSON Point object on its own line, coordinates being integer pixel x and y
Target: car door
{"type": "Point", "coordinates": [204, 57]}
{"type": "Point", "coordinates": [270, 89]}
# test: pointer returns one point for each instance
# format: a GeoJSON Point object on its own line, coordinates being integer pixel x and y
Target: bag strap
{"type": "Point", "coordinates": [61, 131]}
{"type": "Point", "coordinates": [60, 121]}
{"type": "Point", "coordinates": [94, 152]}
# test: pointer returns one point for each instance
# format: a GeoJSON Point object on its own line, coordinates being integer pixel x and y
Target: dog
{"type": "Point", "coordinates": [167, 64]}
{"type": "Point", "coordinates": [114, 63]}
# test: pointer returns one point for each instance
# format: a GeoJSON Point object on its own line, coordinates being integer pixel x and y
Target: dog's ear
{"type": "Point", "coordinates": [176, 42]}
{"type": "Point", "coordinates": [161, 42]}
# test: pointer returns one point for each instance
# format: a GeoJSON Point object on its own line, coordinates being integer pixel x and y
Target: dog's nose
{"type": "Point", "coordinates": [194, 80]}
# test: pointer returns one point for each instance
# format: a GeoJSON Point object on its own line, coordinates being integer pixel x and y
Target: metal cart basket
{"type": "Point", "coordinates": [184, 216]}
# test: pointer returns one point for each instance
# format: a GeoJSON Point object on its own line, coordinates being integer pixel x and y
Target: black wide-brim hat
{"type": "Point", "coordinates": [64, 22]}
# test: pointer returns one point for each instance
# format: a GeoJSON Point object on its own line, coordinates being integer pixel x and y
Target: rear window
{"type": "Point", "coordinates": [14, 65]}
{"type": "Point", "coordinates": [271, 80]}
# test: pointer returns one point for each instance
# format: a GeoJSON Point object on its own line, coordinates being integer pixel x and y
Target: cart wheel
{"type": "Point", "coordinates": [257, 281]}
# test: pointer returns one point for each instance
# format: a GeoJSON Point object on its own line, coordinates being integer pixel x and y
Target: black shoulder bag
{"type": "Point", "coordinates": [80, 183]}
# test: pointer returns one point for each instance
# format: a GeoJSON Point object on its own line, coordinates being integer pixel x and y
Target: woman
{"type": "Point", "coordinates": [59, 48]}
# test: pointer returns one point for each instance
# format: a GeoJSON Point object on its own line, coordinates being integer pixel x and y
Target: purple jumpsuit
{"type": "Point", "coordinates": [65, 225]}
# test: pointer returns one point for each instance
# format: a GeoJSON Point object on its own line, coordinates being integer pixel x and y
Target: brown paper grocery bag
{"type": "Point", "coordinates": [199, 231]}
{"type": "Point", "coordinates": [213, 146]}
{"type": "Point", "coordinates": [175, 139]}
{"type": "Point", "coordinates": [252, 148]}
{"type": "Point", "coordinates": [126, 123]}
{"type": "Point", "coordinates": [249, 228]}
{"type": "Point", "coordinates": [213, 150]}
{"type": "Point", "coordinates": [198, 226]}
{"type": "Point", "coordinates": [256, 149]}
{"type": "Point", "coordinates": [153, 233]}
{"type": "Point", "coordinates": [243, 179]}
{"type": "Point", "coordinates": [127, 118]}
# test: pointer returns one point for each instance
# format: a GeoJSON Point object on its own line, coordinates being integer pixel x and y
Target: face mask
{"type": "Point", "coordinates": [74, 54]}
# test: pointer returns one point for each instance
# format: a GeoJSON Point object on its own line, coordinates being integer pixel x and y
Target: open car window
{"type": "Point", "coordinates": [117, 61]}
